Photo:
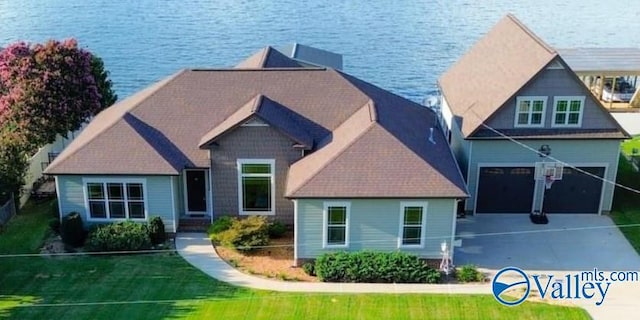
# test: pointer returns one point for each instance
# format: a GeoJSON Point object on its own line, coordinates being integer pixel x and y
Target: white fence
{"type": "Point", "coordinates": [39, 161]}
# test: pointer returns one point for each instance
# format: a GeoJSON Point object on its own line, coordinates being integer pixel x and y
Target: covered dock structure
{"type": "Point", "coordinates": [611, 74]}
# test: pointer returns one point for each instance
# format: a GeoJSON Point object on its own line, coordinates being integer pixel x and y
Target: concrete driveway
{"type": "Point", "coordinates": [569, 242]}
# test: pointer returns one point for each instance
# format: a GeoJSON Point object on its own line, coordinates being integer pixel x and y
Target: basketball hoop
{"type": "Point", "coordinates": [548, 181]}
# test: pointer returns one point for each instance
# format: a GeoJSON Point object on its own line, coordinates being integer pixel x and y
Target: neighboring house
{"type": "Point", "coordinates": [513, 82]}
{"type": "Point", "coordinates": [349, 165]}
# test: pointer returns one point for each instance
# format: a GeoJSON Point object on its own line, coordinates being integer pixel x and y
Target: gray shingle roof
{"type": "Point", "coordinates": [367, 142]}
{"type": "Point", "coordinates": [492, 71]}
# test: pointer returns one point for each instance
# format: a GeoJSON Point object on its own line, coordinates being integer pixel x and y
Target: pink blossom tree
{"type": "Point", "coordinates": [45, 90]}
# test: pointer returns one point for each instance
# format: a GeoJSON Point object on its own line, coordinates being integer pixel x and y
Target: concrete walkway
{"type": "Point", "coordinates": [196, 249]}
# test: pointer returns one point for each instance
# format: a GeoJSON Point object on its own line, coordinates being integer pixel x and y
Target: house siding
{"type": "Point", "coordinates": [574, 152]}
{"type": "Point", "coordinates": [374, 224]}
{"type": "Point", "coordinates": [158, 192]}
{"type": "Point", "coordinates": [460, 147]}
{"type": "Point", "coordinates": [251, 142]}
{"type": "Point", "coordinates": [551, 83]}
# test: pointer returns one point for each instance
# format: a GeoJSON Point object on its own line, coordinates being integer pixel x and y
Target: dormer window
{"type": "Point", "coordinates": [530, 111]}
{"type": "Point", "coordinates": [567, 111]}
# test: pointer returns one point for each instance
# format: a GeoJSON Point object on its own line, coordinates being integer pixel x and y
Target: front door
{"type": "Point", "coordinates": [196, 191]}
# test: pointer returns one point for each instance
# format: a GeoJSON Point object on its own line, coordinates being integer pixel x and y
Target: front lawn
{"type": "Point", "coordinates": [163, 285]}
{"type": "Point", "coordinates": [626, 204]}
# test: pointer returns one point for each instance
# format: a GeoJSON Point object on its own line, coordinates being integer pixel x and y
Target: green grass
{"type": "Point", "coordinates": [154, 286]}
{"type": "Point", "coordinates": [626, 204]}
{"type": "Point", "coordinates": [628, 145]}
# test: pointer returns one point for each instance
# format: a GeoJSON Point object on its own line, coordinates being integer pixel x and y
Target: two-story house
{"type": "Point", "coordinates": [512, 99]}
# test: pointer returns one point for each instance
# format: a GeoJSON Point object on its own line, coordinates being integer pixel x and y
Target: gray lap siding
{"type": "Point", "coordinates": [251, 142]}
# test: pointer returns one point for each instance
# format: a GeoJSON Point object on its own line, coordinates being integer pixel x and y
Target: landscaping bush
{"type": "Point", "coordinates": [245, 234]}
{"type": "Point", "coordinates": [469, 273]}
{"type": "Point", "coordinates": [156, 231]}
{"type": "Point", "coordinates": [309, 268]}
{"type": "Point", "coordinates": [220, 225]}
{"type": "Point", "coordinates": [121, 236]}
{"type": "Point", "coordinates": [277, 229]}
{"type": "Point", "coordinates": [72, 230]}
{"type": "Point", "coordinates": [374, 267]}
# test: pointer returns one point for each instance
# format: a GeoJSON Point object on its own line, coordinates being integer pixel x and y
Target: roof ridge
{"type": "Point", "coordinates": [257, 103]}
{"type": "Point", "coordinates": [265, 55]}
{"type": "Point", "coordinates": [373, 113]}
{"type": "Point", "coordinates": [531, 34]}
{"type": "Point", "coordinates": [259, 69]}
{"type": "Point", "coordinates": [331, 159]}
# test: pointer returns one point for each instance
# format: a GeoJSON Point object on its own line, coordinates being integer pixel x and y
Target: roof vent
{"type": "Point", "coordinates": [431, 136]}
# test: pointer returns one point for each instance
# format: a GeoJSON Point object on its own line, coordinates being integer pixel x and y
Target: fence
{"type": "Point", "coordinates": [7, 211]}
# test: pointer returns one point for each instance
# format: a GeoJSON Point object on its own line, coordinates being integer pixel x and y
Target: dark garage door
{"type": "Point", "coordinates": [505, 190]}
{"type": "Point", "coordinates": [576, 192]}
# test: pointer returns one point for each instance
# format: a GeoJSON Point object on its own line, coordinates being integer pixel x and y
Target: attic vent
{"type": "Point", "coordinates": [555, 65]}
{"type": "Point", "coordinates": [431, 139]}
{"type": "Point", "coordinates": [255, 123]}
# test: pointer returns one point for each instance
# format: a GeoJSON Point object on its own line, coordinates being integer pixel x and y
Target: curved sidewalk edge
{"type": "Point", "coordinates": [197, 250]}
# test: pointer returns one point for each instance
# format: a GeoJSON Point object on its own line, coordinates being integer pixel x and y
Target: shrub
{"type": "Point", "coordinates": [469, 273]}
{"type": "Point", "coordinates": [374, 267]}
{"type": "Point", "coordinates": [220, 225]}
{"type": "Point", "coordinates": [277, 229]}
{"type": "Point", "coordinates": [309, 268]}
{"type": "Point", "coordinates": [72, 230]}
{"type": "Point", "coordinates": [245, 234]}
{"type": "Point", "coordinates": [121, 236]}
{"type": "Point", "coordinates": [156, 231]}
{"type": "Point", "coordinates": [54, 225]}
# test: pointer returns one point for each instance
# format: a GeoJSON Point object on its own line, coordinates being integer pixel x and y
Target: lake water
{"type": "Point", "coordinates": [402, 46]}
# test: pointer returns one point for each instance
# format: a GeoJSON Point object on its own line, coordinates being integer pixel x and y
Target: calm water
{"type": "Point", "coordinates": [400, 45]}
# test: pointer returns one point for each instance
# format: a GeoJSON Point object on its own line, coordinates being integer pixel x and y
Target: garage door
{"type": "Point", "coordinates": [576, 192]}
{"type": "Point", "coordinates": [505, 190]}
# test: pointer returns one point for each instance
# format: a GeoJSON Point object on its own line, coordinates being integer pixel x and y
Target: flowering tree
{"type": "Point", "coordinates": [45, 90]}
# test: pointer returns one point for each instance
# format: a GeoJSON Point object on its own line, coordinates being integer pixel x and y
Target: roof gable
{"type": "Point", "coordinates": [492, 71]}
{"type": "Point", "coordinates": [272, 113]}
{"type": "Point", "coordinates": [268, 58]}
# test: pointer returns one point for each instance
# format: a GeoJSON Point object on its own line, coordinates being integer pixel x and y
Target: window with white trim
{"type": "Point", "coordinates": [115, 200]}
{"type": "Point", "coordinates": [336, 224]}
{"type": "Point", "coordinates": [530, 111]}
{"type": "Point", "coordinates": [413, 217]}
{"type": "Point", "coordinates": [256, 186]}
{"type": "Point", "coordinates": [567, 111]}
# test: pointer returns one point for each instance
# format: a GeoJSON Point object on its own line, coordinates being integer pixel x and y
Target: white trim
{"type": "Point", "coordinates": [423, 224]}
{"type": "Point", "coordinates": [186, 192]}
{"type": "Point", "coordinates": [254, 122]}
{"type": "Point", "coordinates": [55, 178]}
{"type": "Point", "coordinates": [173, 204]}
{"type": "Point", "coordinates": [325, 223]}
{"type": "Point", "coordinates": [453, 229]}
{"type": "Point", "coordinates": [272, 176]}
{"type": "Point", "coordinates": [210, 192]}
{"type": "Point", "coordinates": [530, 113]}
{"type": "Point", "coordinates": [473, 209]}
{"type": "Point", "coordinates": [295, 233]}
{"type": "Point", "coordinates": [556, 99]}
{"type": "Point", "coordinates": [124, 182]}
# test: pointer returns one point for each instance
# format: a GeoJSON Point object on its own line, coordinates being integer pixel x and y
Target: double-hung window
{"type": "Point", "coordinates": [336, 224]}
{"type": "Point", "coordinates": [567, 111]}
{"type": "Point", "coordinates": [256, 186]}
{"type": "Point", "coordinates": [413, 218]}
{"type": "Point", "coordinates": [115, 200]}
{"type": "Point", "coordinates": [530, 111]}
